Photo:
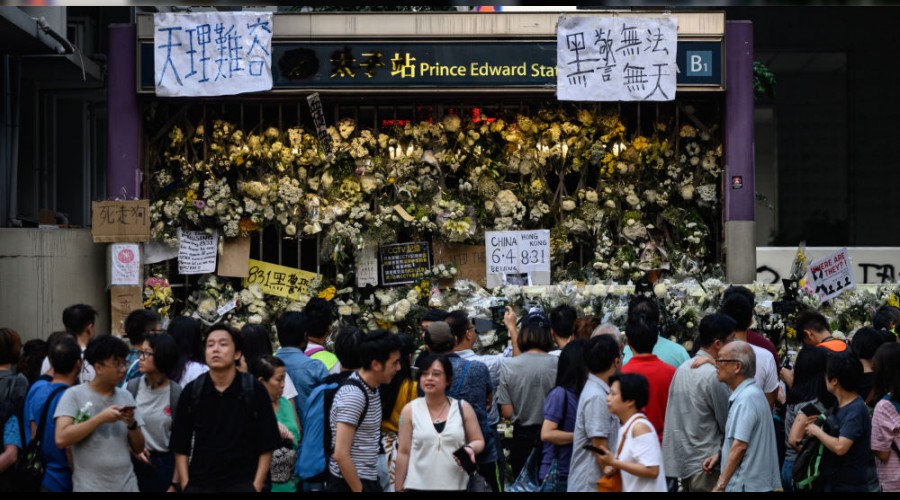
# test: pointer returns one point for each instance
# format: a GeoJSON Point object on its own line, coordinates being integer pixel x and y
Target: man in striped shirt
{"type": "Point", "coordinates": [356, 416]}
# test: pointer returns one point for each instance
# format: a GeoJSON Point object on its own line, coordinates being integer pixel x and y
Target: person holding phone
{"type": "Point", "coordinates": [94, 420]}
{"type": "Point", "coordinates": [439, 435]}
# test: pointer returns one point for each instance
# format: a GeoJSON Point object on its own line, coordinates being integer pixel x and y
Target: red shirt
{"type": "Point", "coordinates": [659, 376]}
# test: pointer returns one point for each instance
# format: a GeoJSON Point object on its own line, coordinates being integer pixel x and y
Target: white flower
{"type": "Point", "coordinates": [345, 310]}
{"type": "Point", "coordinates": [290, 229]}
{"type": "Point", "coordinates": [632, 200]}
{"type": "Point", "coordinates": [599, 290]}
{"type": "Point", "coordinates": [659, 290]}
{"type": "Point", "coordinates": [687, 192]}
{"type": "Point", "coordinates": [591, 196]}
{"type": "Point", "coordinates": [568, 205]}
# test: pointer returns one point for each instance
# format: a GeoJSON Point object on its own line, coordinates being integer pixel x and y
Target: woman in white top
{"type": "Point", "coordinates": [639, 456]}
{"type": "Point", "coordinates": [431, 429]}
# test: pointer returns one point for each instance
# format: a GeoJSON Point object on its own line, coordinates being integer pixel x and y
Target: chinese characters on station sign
{"type": "Point", "coordinates": [616, 59]}
{"type": "Point", "coordinates": [404, 262]}
{"type": "Point", "coordinates": [279, 280]}
{"type": "Point", "coordinates": [212, 53]}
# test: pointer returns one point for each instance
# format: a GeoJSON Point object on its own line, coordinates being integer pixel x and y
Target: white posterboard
{"type": "Point", "coordinates": [519, 257]}
{"type": "Point", "coordinates": [212, 53]}
{"type": "Point", "coordinates": [367, 267]}
{"type": "Point", "coordinates": [832, 275]}
{"type": "Point", "coordinates": [197, 252]}
{"type": "Point", "coordinates": [125, 264]}
{"type": "Point", "coordinates": [604, 58]}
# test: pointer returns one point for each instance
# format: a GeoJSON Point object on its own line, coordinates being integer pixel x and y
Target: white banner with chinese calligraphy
{"type": "Point", "coordinates": [279, 280]}
{"type": "Point", "coordinates": [212, 53]}
{"type": "Point", "coordinates": [616, 58]}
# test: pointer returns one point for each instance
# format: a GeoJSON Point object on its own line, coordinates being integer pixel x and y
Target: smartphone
{"type": "Point", "coordinates": [467, 464]}
{"type": "Point", "coordinates": [590, 447]}
{"type": "Point", "coordinates": [127, 408]}
{"type": "Point", "coordinates": [810, 410]}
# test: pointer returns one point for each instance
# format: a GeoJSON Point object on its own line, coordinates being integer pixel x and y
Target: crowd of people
{"type": "Point", "coordinates": [208, 409]}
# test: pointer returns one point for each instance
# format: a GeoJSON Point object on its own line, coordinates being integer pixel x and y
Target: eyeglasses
{"type": "Point", "coordinates": [145, 354]}
{"type": "Point", "coordinates": [433, 373]}
{"type": "Point", "coordinates": [720, 361]}
{"type": "Point", "coordinates": [118, 365]}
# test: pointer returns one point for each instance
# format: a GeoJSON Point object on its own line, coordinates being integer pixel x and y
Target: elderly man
{"type": "Point", "coordinates": [749, 451]}
{"type": "Point", "coordinates": [697, 411]}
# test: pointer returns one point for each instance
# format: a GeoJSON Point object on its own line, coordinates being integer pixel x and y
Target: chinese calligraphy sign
{"type": "Point", "coordinates": [616, 59]}
{"type": "Point", "coordinates": [120, 221]}
{"type": "Point", "coordinates": [212, 53]}
{"type": "Point", "coordinates": [279, 280]}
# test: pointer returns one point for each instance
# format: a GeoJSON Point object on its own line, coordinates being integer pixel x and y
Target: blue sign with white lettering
{"type": "Point", "coordinates": [699, 63]}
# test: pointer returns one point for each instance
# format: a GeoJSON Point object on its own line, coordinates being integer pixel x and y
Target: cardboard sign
{"type": "Point", "coordinates": [235, 258]}
{"type": "Point", "coordinates": [197, 252]}
{"type": "Point", "coordinates": [120, 221]}
{"type": "Point", "coordinates": [367, 267]}
{"type": "Point", "coordinates": [125, 264]}
{"type": "Point", "coordinates": [468, 259]}
{"type": "Point", "coordinates": [831, 276]}
{"type": "Point", "coordinates": [278, 280]}
{"type": "Point", "coordinates": [404, 262]}
{"type": "Point", "coordinates": [123, 300]}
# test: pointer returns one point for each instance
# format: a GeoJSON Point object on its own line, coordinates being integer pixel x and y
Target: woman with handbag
{"type": "Point", "coordinates": [638, 458]}
{"type": "Point", "coordinates": [271, 373]}
{"type": "Point", "coordinates": [439, 435]}
{"type": "Point", "coordinates": [560, 410]}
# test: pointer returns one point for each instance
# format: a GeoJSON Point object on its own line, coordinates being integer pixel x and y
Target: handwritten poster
{"type": "Point", "coordinates": [404, 262]}
{"type": "Point", "coordinates": [123, 300]}
{"type": "Point", "coordinates": [832, 275]}
{"type": "Point", "coordinates": [367, 267]}
{"type": "Point", "coordinates": [197, 252]}
{"type": "Point", "coordinates": [278, 280]}
{"type": "Point", "coordinates": [125, 264]}
{"type": "Point", "coordinates": [120, 221]}
{"type": "Point", "coordinates": [605, 58]}
{"type": "Point", "coordinates": [517, 251]}
{"type": "Point", "coordinates": [318, 115]}
{"type": "Point", "coordinates": [468, 259]}
{"type": "Point", "coordinates": [212, 53]}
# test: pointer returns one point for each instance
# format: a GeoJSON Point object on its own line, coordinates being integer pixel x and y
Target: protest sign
{"type": "Point", "coordinates": [123, 300]}
{"type": "Point", "coordinates": [404, 262]}
{"type": "Point", "coordinates": [831, 276]}
{"type": "Point", "coordinates": [197, 252]}
{"type": "Point", "coordinates": [468, 259]}
{"type": "Point", "coordinates": [125, 264]}
{"type": "Point", "coordinates": [366, 267]}
{"type": "Point", "coordinates": [120, 221]}
{"type": "Point", "coordinates": [278, 280]}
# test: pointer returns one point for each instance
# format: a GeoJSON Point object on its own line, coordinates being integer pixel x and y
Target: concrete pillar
{"type": "Point", "coordinates": [739, 185]}
{"type": "Point", "coordinates": [123, 178]}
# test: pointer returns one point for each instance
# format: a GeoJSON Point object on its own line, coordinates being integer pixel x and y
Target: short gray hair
{"type": "Point", "coordinates": [609, 329]}
{"type": "Point", "coordinates": [743, 352]}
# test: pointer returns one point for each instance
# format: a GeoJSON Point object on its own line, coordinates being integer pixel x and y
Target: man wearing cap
{"type": "Point", "coordinates": [430, 317]}
{"type": "Point", "coordinates": [472, 383]}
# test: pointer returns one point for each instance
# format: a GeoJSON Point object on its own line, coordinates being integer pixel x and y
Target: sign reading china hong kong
{"type": "Point", "coordinates": [517, 257]}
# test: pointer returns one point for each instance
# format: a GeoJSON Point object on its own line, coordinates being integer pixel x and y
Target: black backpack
{"type": "Point", "coordinates": [29, 469]}
{"type": "Point", "coordinates": [13, 388]}
{"type": "Point", "coordinates": [807, 471]}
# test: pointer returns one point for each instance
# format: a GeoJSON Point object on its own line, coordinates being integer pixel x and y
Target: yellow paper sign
{"type": "Point", "coordinates": [279, 280]}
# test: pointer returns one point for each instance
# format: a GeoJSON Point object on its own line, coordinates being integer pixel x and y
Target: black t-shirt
{"type": "Point", "coordinates": [851, 471]}
{"type": "Point", "coordinates": [865, 386]}
{"type": "Point", "coordinates": [228, 440]}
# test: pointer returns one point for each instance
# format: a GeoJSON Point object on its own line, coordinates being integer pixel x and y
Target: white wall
{"type": "Point", "coordinates": [873, 265]}
{"type": "Point", "coordinates": [42, 271]}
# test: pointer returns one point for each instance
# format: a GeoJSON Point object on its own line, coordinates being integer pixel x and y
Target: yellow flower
{"type": "Point", "coordinates": [190, 196]}
{"type": "Point", "coordinates": [791, 332]}
{"type": "Point", "coordinates": [327, 293]}
{"type": "Point", "coordinates": [391, 180]}
{"type": "Point", "coordinates": [893, 301]}
{"type": "Point", "coordinates": [384, 325]}
{"type": "Point", "coordinates": [640, 143]}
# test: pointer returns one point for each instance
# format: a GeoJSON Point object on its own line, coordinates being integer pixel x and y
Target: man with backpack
{"type": "Point", "coordinates": [40, 405]}
{"type": "Point", "coordinates": [225, 429]}
{"type": "Point", "coordinates": [305, 372]}
{"type": "Point", "coordinates": [315, 449]}
{"type": "Point", "coordinates": [356, 416]}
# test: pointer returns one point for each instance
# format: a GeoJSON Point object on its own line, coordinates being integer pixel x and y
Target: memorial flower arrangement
{"type": "Point", "coordinates": [619, 200]}
{"type": "Point", "coordinates": [158, 295]}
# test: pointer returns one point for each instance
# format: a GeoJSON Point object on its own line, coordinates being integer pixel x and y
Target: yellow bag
{"type": "Point", "coordinates": [613, 483]}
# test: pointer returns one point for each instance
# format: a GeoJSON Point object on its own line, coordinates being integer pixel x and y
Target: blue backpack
{"type": "Point", "coordinates": [315, 448]}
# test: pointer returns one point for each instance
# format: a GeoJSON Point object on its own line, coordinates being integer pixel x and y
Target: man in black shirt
{"type": "Point", "coordinates": [230, 420]}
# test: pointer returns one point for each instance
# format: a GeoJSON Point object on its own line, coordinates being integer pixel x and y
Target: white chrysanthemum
{"type": "Point", "coordinates": [568, 205]}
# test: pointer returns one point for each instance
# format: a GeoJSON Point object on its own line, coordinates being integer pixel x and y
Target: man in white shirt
{"type": "Point", "coordinates": [741, 310]}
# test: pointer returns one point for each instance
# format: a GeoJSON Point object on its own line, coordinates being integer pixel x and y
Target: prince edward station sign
{"type": "Point", "coordinates": [365, 57]}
